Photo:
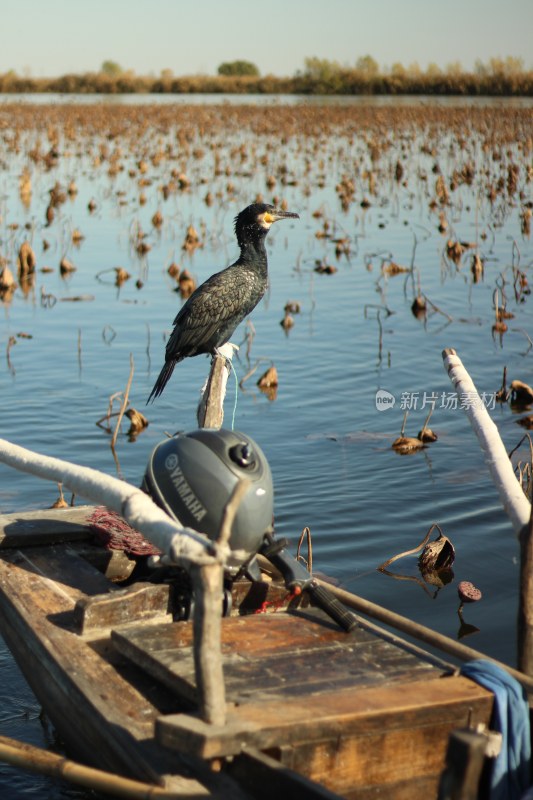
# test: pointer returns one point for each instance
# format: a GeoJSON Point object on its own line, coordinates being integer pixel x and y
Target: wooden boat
{"type": "Point", "coordinates": [307, 710]}
{"type": "Point", "coordinates": [312, 711]}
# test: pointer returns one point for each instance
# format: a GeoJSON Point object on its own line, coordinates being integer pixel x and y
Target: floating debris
{"type": "Point", "coordinates": [392, 268]}
{"type": "Point", "coordinates": [66, 266]}
{"type": "Point", "coordinates": [426, 435]}
{"type": "Point", "coordinates": [292, 307]}
{"type": "Point", "coordinates": [468, 593]}
{"type": "Point", "coordinates": [138, 423]}
{"type": "Point", "coordinates": [407, 444]}
{"type": "Point", "coordinates": [186, 284]}
{"type": "Point", "coordinates": [325, 269]}
{"type": "Point", "coordinates": [477, 268]}
{"type": "Point", "coordinates": [268, 378]}
{"type": "Point", "coordinates": [437, 555]}
{"type": "Point", "coordinates": [121, 276]}
{"type": "Point", "coordinates": [419, 306]}
{"type": "Point", "coordinates": [77, 236]}
{"type": "Point", "coordinates": [174, 270]}
{"type": "Point", "coordinates": [27, 261]}
{"type": "Point", "coordinates": [287, 322]}
{"type": "Point", "coordinates": [521, 393]}
{"type": "Point", "coordinates": [8, 283]}
{"type": "Point", "coordinates": [192, 240]}
{"type": "Point", "coordinates": [157, 219]}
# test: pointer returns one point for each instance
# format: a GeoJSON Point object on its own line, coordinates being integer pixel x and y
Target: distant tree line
{"type": "Point", "coordinates": [499, 76]}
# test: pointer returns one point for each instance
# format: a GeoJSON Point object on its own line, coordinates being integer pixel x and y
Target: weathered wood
{"type": "Point", "coordinates": [70, 577]}
{"type": "Point", "coordinates": [136, 604]}
{"type": "Point", "coordinates": [207, 583]}
{"type": "Point", "coordinates": [45, 526]}
{"type": "Point", "coordinates": [349, 711]}
{"type": "Point", "coordinates": [422, 632]}
{"type": "Point", "coordinates": [93, 706]}
{"type": "Point", "coordinates": [210, 412]}
{"type": "Point", "coordinates": [114, 564]}
{"type": "Point", "coordinates": [397, 711]}
{"type": "Point", "coordinates": [465, 758]}
{"type": "Point", "coordinates": [277, 654]}
{"type": "Point", "coordinates": [45, 762]}
{"type": "Point", "coordinates": [266, 778]}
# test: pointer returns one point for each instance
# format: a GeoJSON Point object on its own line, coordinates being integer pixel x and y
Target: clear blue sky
{"type": "Point", "coordinates": [53, 37]}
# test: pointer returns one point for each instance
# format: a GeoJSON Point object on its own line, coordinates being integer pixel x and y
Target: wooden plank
{"type": "Point", "coordinates": [465, 758]}
{"type": "Point", "coordinates": [114, 564]}
{"type": "Point", "coordinates": [397, 709]}
{"type": "Point", "coordinates": [138, 603]}
{"type": "Point", "coordinates": [64, 572]}
{"type": "Point", "coordinates": [281, 654]}
{"type": "Point", "coordinates": [266, 778]}
{"type": "Point", "coordinates": [45, 526]}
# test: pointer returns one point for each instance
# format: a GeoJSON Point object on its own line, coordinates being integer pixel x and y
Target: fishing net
{"type": "Point", "coordinates": [114, 533]}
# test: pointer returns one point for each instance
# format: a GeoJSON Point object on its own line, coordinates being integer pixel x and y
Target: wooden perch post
{"type": "Point", "coordinates": [208, 580]}
{"type": "Point", "coordinates": [210, 413]}
{"type": "Point", "coordinates": [511, 494]}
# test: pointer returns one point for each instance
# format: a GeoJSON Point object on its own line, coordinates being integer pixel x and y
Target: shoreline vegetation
{"type": "Point", "coordinates": [497, 78]}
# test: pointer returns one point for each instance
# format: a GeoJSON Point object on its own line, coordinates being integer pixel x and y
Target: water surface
{"type": "Point", "coordinates": [327, 442]}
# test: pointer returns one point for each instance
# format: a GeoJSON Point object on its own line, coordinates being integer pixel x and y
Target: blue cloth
{"type": "Point", "coordinates": [510, 775]}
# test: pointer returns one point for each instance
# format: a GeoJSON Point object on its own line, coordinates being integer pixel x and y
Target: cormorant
{"type": "Point", "coordinates": [211, 314]}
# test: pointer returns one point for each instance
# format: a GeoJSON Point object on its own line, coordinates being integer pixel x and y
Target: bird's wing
{"type": "Point", "coordinates": [207, 309]}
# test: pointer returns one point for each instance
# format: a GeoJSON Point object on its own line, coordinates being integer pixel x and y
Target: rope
{"type": "Point", "coordinates": [274, 605]}
{"type": "Point", "coordinates": [236, 394]}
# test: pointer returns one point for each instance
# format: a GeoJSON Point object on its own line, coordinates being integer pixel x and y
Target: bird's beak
{"type": "Point", "coordinates": [279, 214]}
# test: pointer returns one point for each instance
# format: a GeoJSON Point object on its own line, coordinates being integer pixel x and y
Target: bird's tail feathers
{"type": "Point", "coordinates": [162, 380]}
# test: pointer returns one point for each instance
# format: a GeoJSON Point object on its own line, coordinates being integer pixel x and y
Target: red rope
{"type": "Point", "coordinates": [114, 533]}
{"type": "Point", "coordinates": [274, 605]}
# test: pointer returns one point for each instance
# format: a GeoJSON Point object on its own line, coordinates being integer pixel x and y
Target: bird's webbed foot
{"type": "Point", "coordinates": [227, 350]}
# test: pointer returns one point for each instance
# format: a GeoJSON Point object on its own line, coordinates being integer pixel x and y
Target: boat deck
{"type": "Point", "coordinates": [364, 714]}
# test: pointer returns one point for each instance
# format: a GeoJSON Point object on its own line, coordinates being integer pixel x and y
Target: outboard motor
{"type": "Point", "coordinates": [193, 475]}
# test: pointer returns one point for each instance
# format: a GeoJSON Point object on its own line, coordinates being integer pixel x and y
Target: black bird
{"type": "Point", "coordinates": [211, 314]}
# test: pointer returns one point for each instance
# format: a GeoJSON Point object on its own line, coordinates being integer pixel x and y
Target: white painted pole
{"type": "Point", "coordinates": [511, 494]}
{"type": "Point", "coordinates": [182, 545]}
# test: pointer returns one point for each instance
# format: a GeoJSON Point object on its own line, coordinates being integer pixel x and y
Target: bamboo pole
{"type": "Point", "coordinates": [420, 632]}
{"type": "Point", "coordinates": [511, 494]}
{"type": "Point", "coordinates": [44, 762]}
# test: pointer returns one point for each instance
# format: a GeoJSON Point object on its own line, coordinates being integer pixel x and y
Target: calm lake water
{"type": "Point", "coordinates": [381, 189]}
